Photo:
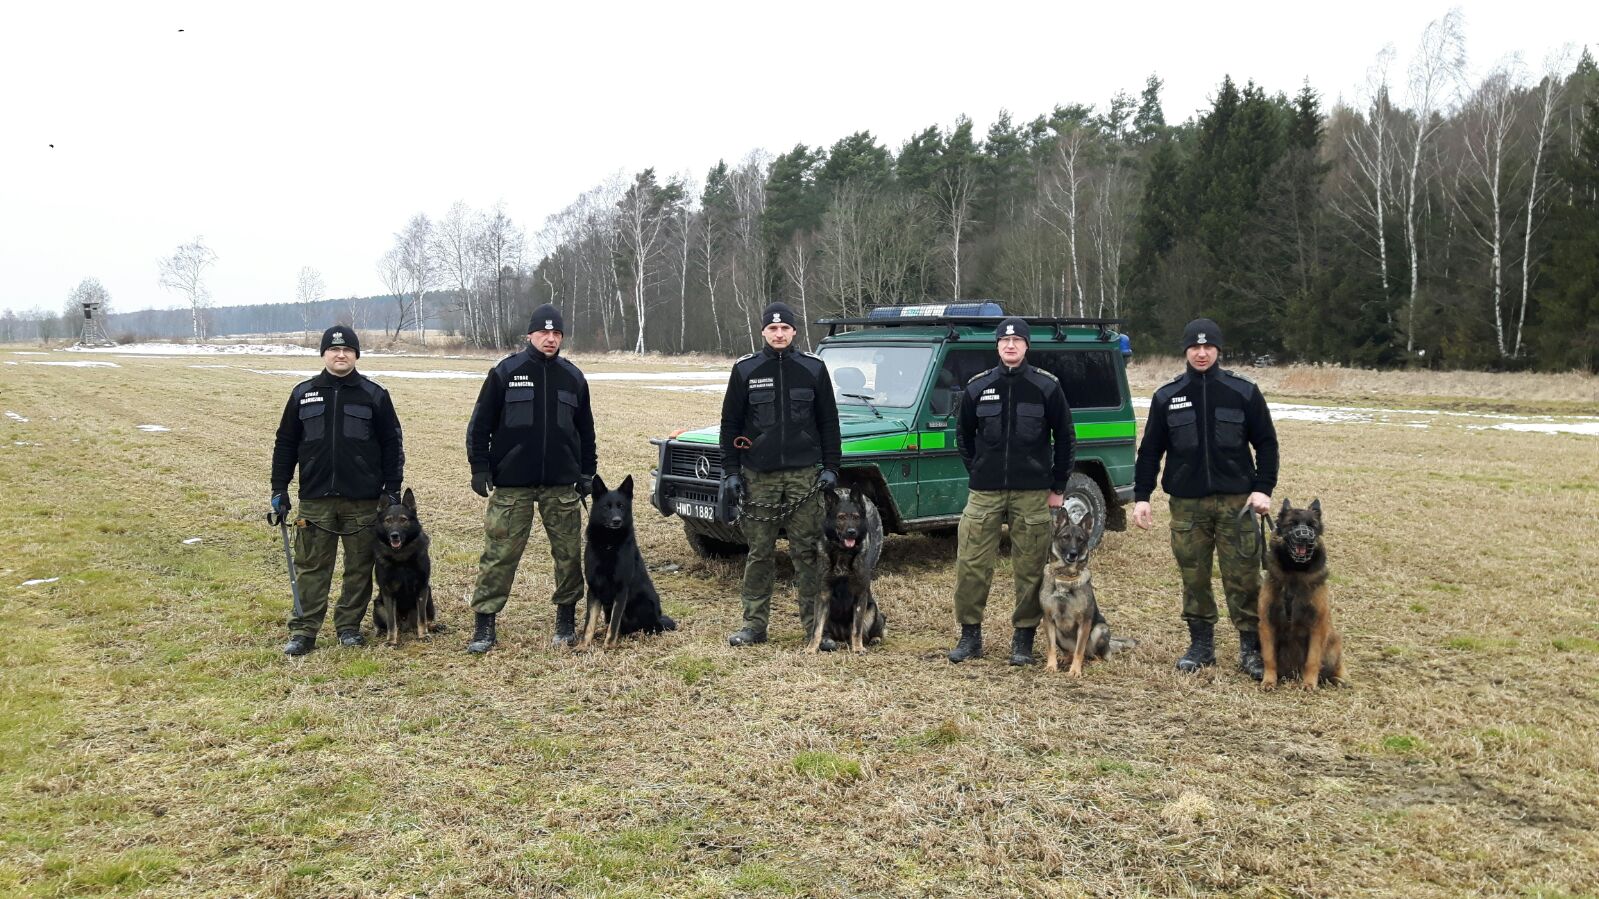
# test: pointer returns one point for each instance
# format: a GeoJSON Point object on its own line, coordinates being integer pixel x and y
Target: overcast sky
{"type": "Point", "coordinates": [292, 134]}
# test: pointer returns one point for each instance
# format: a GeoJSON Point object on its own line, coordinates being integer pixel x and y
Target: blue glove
{"type": "Point", "coordinates": [828, 479]}
{"type": "Point", "coordinates": [281, 504]}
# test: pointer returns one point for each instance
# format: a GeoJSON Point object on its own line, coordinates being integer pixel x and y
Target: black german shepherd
{"type": "Point", "coordinates": [851, 534]}
{"type": "Point", "coordinates": [613, 569]}
{"type": "Point", "coordinates": [404, 571]}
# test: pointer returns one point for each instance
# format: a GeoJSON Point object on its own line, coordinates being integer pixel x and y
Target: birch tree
{"type": "Point", "coordinates": [1482, 179]}
{"type": "Point", "coordinates": [1548, 97]}
{"type": "Point", "coordinates": [1433, 76]}
{"type": "Point", "coordinates": [416, 263]}
{"type": "Point", "coordinates": [498, 245]}
{"type": "Point", "coordinates": [1058, 205]}
{"type": "Point", "coordinates": [452, 246]}
{"type": "Point", "coordinates": [308, 288]}
{"type": "Point", "coordinates": [184, 272]}
{"type": "Point", "coordinates": [1365, 193]}
{"type": "Point", "coordinates": [391, 272]}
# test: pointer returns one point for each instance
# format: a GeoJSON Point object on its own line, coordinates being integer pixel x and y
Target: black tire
{"type": "Point", "coordinates": [707, 547]}
{"type": "Point", "coordinates": [1083, 496]}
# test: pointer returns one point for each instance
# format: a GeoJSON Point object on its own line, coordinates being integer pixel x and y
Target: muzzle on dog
{"type": "Point", "coordinates": [1300, 541]}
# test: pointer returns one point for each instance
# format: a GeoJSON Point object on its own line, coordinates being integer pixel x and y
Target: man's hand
{"type": "Point", "coordinates": [735, 483]}
{"type": "Point", "coordinates": [1260, 502]}
{"type": "Point", "coordinates": [1056, 500]}
{"type": "Point", "coordinates": [281, 504]}
{"type": "Point", "coordinates": [828, 479]}
{"type": "Point", "coordinates": [481, 484]}
{"type": "Point", "coordinates": [585, 486]}
{"type": "Point", "coordinates": [1142, 516]}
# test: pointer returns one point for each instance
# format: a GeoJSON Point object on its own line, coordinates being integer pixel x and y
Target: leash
{"type": "Point", "coordinates": [277, 520]}
{"type": "Point", "coordinates": [781, 511]}
{"type": "Point", "coordinates": [1262, 524]}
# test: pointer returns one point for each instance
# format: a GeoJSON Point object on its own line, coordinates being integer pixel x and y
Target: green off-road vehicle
{"type": "Point", "coordinates": [897, 376]}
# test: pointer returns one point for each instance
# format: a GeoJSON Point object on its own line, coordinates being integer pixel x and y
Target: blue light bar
{"type": "Point", "coordinates": [937, 309]}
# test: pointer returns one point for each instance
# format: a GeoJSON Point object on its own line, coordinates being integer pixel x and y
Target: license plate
{"type": "Point", "coordinates": [703, 511]}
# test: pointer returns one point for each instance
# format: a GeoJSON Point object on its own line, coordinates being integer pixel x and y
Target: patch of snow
{"type": "Point", "coordinates": [85, 363]}
{"type": "Point", "coordinates": [657, 376]}
{"type": "Point", "coordinates": [191, 541]}
{"type": "Point", "coordinates": [9, 362]}
{"type": "Point", "coordinates": [28, 353]}
{"type": "Point", "coordinates": [690, 388]}
{"type": "Point", "coordinates": [204, 349]}
{"type": "Point", "coordinates": [442, 375]}
{"type": "Point", "coordinates": [209, 366]}
{"type": "Point", "coordinates": [154, 429]}
{"type": "Point", "coordinates": [15, 417]}
{"type": "Point", "coordinates": [1590, 429]}
{"type": "Point", "coordinates": [25, 443]}
{"type": "Point", "coordinates": [40, 580]}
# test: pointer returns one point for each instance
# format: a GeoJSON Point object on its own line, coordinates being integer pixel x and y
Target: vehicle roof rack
{"type": "Point", "coordinates": [1059, 324]}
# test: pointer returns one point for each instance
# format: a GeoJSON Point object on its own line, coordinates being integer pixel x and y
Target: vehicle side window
{"type": "Point", "coordinates": [959, 367]}
{"type": "Point", "coordinates": [1089, 376]}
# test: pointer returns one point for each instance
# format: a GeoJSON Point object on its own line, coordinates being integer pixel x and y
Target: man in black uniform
{"type": "Point", "coordinates": [340, 429]}
{"type": "Point", "coordinates": [1016, 438]}
{"type": "Point", "coordinates": [531, 441]}
{"type": "Point", "coordinates": [1204, 421]}
{"type": "Point", "coordinates": [779, 421]}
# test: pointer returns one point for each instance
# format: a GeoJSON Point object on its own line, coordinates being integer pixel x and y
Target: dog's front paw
{"type": "Point", "coordinates": [1309, 684]}
{"type": "Point", "coordinates": [1074, 671]}
{"type": "Point", "coordinates": [1269, 682]}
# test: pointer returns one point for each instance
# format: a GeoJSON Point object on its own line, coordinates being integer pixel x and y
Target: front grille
{"type": "Point", "coordinates": [683, 458]}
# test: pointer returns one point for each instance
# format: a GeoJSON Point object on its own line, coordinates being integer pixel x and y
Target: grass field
{"type": "Point", "coordinates": [153, 739]}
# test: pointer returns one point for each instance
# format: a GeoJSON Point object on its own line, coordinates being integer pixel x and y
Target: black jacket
{"type": "Point", "coordinates": [1015, 430]}
{"type": "Point", "coordinates": [532, 425]}
{"type": "Point", "coordinates": [1205, 423]}
{"type": "Point", "coordinates": [783, 402]}
{"type": "Point", "coordinates": [344, 436]}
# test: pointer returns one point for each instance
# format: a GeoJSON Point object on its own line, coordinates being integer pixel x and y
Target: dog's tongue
{"type": "Point", "coordinates": [849, 542]}
{"type": "Point", "coordinates": [396, 540]}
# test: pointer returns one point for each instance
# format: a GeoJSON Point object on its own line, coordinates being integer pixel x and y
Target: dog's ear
{"type": "Point", "coordinates": [627, 486]}
{"type": "Point", "coordinates": [409, 499]}
{"type": "Point", "coordinates": [1315, 506]}
{"type": "Point", "coordinates": [599, 486]}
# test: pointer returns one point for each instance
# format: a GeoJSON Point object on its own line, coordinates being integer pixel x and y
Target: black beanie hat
{"type": "Point", "coordinates": [1201, 332]}
{"type": "Point", "coordinates": [779, 314]}
{"type": "Point", "coordinates": [340, 336]}
{"type": "Point", "coordinates": [546, 318]}
{"type": "Point", "coordinates": [1014, 326]}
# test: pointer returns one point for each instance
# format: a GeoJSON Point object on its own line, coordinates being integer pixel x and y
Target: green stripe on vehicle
{"type": "Point", "coordinates": [1101, 430]}
{"type": "Point", "coordinates": [889, 444]}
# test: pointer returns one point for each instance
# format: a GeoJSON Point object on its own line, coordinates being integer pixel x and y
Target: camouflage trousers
{"type": "Point", "coordinates": [1207, 527]}
{"type": "Point", "coordinates": [506, 527]}
{"type": "Point", "coordinates": [315, 546]}
{"type": "Point", "coordinates": [978, 551]}
{"type": "Point", "coordinates": [804, 526]}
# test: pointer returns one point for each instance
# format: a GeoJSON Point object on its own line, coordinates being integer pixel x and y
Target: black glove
{"type": "Point", "coordinates": [390, 498]}
{"type": "Point", "coordinates": [728, 499]}
{"type": "Point", "coordinates": [480, 483]}
{"type": "Point", "coordinates": [585, 486]}
{"type": "Point", "coordinates": [281, 504]}
{"type": "Point", "coordinates": [828, 479]}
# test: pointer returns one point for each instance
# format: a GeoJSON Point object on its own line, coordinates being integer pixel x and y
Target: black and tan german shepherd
{"type": "Point", "coordinates": [1072, 621]}
{"type": "Point", "coordinates": [852, 535]}
{"type": "Point", "coordinates": [619, 585]}
{"type": "Point", "coordinates": [403, 571]}
{"type": "Point", "coordinates": [1297, 638]}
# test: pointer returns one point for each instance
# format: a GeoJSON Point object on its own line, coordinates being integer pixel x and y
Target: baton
{"type": "Point", "coordinates": [288, 559]}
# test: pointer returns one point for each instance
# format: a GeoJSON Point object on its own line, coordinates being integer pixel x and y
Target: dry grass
{"type": "Point", "coordinates": [153, 739]}
{"type": "Point", "coordinates": [1571, 392]}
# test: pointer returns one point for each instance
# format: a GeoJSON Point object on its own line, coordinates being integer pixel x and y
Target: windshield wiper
{"type": "Point", "coordinates": [865, 399]}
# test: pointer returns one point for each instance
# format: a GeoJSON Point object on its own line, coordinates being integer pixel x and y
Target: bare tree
{"type": "Point", "coordinates": [796, 263]}
{"type": "Point", "coordinates": [184, 272]}
{"type": "Point", "coordinates": [1554, 82]}
{"type": "Point", "coordinates": [307, 290]}
{"type": "Point", "coordinates": [1058, 199]}
{"type": "Point", "coordinates": [391, 271]}
{"type": "Point", "coordinates": [955, 193]}
{"type": "Point", "coordinates": [1434, 74]}
{"type": "Point", "coordinates": [1364, 195]}
{"type": "Point", "coordinates": [499, 248]}
{"type": "Point", "coordinates": [1486, 125]}
{"type": "Point", "coordinates": [748, 257]}
{"type": "Point", "coordinates": [452, 246]}
{"type": "Point", "coordinates": [416, 262]}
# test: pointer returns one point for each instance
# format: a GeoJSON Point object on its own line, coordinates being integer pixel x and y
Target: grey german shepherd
{"type": "Point", "coordinates": [1072, 620]}
{"type": "Point", "coordinates": [851, 536]}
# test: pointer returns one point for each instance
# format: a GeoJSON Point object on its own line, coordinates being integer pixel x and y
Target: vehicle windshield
{"type": "Point", "coordinates": [889, 376]}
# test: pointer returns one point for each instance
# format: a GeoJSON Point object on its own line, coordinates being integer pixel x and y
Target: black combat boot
{"type": "Point", "coordinates": [299, 646]}
{"type": "Point", "coordinates": [565, 626]}
{"type": "Point", "coordinates": [1021, 647]}
{"type": "Point", "coordinates": [970, 645]}
{"type": "Point", "coordinates": [1201, 647]}
{"type": "Point", "coordinates": [746, 636]}
{"type": "Point", "coordinates": [1249, 660]}
{"type": "Point", "coordinates": [351, 638]}
{"type": "Point", "coordinates": [482, 633]}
